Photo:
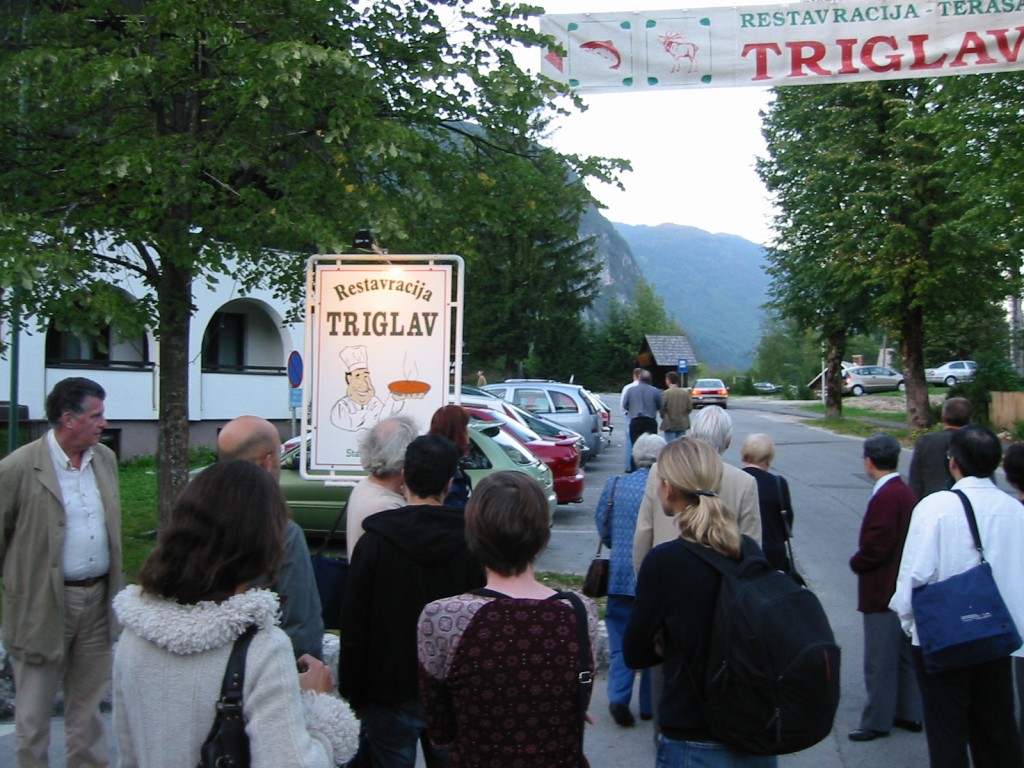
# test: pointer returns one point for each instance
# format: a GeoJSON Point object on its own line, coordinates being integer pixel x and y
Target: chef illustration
{"type": "Point", "coordinates": [360, 408]}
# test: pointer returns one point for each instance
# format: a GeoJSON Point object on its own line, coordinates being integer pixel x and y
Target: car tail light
{"type": "Point", "coordinates": [566, 465]}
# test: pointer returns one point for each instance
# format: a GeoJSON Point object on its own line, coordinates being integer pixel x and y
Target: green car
{"type": "Point", "coordinates": [315, 505]}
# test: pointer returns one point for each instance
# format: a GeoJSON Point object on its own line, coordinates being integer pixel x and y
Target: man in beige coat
{"type": "Point", "coordinates": [60, 550]}
{"type": "Point", "coordinates": [738, 490]}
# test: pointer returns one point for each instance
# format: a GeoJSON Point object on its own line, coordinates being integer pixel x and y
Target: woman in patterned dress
{"type": "Point", "coordinates": [500, 667]}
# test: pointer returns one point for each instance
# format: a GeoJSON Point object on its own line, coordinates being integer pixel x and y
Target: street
{"type": "Point", "coordinates": [829, 491]}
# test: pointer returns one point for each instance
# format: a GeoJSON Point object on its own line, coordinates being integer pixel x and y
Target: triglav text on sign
{"type": "Point", "coordinates": [791, 44]}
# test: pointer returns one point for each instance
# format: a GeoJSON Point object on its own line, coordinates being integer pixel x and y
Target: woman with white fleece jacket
{"type": "Point", "coordinates": [180, 623]}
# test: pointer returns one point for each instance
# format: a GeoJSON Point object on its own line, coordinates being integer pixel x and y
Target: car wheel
{"type": "Point", "coordinates": [725, 405]}
{"type": "Point", "coordinates": [902, 386]}
{"type": "Point", "coordinates": [950, 381]}
{"type": "Point", "coordinates": [857, 390]}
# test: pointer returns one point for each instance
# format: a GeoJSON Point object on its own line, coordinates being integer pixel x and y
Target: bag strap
{"type": "Point", "coordinates": [585, 677]}
{"type": "Point", "coordinates": [337, 521]}
{"type": "Point", "coordinates": [971, 521]}
{"type": "Point", "coordinates": [603, 533]}
{"type": "Point", "coordinates": [234, 674]}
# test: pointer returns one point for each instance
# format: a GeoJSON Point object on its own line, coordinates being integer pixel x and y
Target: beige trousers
{"type": "Point", "coordinates": [85, 674]}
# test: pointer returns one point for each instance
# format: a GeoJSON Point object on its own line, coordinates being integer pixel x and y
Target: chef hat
{"type": "Point", "coordinates": [354, 358]}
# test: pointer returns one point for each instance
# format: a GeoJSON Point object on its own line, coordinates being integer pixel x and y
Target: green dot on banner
{"type": "Point", "coordinates": [573, 83]}
{"type": "Point", "coordinates": [706, 79]}
{"type": "Point", "coordinates": [705, 22]}
{"type": "Point", "coordinates": [652, 23]}
{"type": "Point", "coordinates": [652, 81]}
{"type": "Point", "coordinates": [573, 26]}
{"type": "Point", "coordinates": [626, 25]}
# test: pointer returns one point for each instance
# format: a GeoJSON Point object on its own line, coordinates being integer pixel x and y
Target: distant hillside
{"type": "Point", "coordinates": [714, 285]}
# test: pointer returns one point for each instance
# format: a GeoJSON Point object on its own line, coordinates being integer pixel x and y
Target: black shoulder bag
{"type": "Point", "coordinates": [227, 745]}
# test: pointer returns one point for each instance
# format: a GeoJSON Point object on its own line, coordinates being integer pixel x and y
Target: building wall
{"type": "Point", "coordinates": [214, 397]}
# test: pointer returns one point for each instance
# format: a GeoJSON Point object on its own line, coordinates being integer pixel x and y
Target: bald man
{"type": "Point", "coordinates": [250, 438]}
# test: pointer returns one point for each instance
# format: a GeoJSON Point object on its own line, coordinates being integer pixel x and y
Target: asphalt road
{"type": "Point", "coordinates": [829, 491]}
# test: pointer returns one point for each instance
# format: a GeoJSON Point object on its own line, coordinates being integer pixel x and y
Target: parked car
{"type": "Point", "coordinates": [566, 404]}
{"type": "Point", "coordinates": [709, 392]}
{"type": "Point", "coordinates": [952, 372]}
{"type": "Point", "coordinates": [561, 456]}
{"type": "Point", "coordinates": [315, 505]}
{"type": "Point", "coordinates": [859, 379]}
{"type": "Point", "coordinates": [546, 428]}
{"type": "Point", "coordinates": [766, 387]}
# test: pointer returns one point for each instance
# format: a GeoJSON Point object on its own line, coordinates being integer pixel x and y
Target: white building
{"type": "Point", "coordinates": [239, 348]}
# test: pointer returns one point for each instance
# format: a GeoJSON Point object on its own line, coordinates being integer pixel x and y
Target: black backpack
{"type": "Point", "coordinates": [771, 686]}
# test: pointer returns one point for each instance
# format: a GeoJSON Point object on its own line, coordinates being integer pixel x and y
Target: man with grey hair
{"type": "Point", "coordinates": [929, 466]}
{"type": "Point", "coordinates": [60, 550]}
{"type": "Point", "coordinates": [382, 454]}
{"type": "Point", "coordinates": [711, 425]}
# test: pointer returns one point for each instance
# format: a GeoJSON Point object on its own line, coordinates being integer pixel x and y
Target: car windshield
{"type": "Point", "coordinates": [709, 384]}
{"type": "Point", "coordinates": [514, 450]}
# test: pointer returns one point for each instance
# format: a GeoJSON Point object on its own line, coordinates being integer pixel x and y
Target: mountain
{"type": "Point", "coordinates": [714, 285]}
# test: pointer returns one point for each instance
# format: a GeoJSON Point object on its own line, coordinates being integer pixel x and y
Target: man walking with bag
{"type": "Point", "coordinates": [970, 706]}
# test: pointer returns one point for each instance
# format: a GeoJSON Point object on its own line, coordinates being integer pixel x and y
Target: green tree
{"type": "Point", "coordinates": [164, 142]}
{"type": "Point", "coordinates": [901, 237]}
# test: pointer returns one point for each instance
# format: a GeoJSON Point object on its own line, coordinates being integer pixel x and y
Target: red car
{"type": "Point", "coordinates": [561, 456]}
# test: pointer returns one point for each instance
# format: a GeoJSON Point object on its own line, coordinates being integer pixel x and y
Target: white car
{"type": "Point", "coordinates": [950, 373]}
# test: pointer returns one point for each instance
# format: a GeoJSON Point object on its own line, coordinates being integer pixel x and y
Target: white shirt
{"type": "Point", "coordinates": [939, 545]}
{"type": "Point", "coordinates": [622, 395]}
{"type": "Point", "coordinates": [366, 499]}
{"type": "Point", "coordinates": [86, 551]}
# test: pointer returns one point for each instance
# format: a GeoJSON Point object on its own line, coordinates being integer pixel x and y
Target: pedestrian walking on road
{"type": "Point", "coordinates": [893, 695]}
{"type": "Point", "coordinates": [615, 518]}
{"type": "Point", "coordinates": [676, 595]}
{"type": "Point", "coordinates": [968, 711]}
{"type": "Point", "coordinates": [503, 669]}
{"type": "Point", "coordinates": [676, 406]}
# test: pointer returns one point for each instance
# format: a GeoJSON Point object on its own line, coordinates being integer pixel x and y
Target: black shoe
{"type": "Point", "coordinates": [621, 715]}
{"type": "Point", "coordinates": [866, 734]}
{"type": "Point", "coordinates": [646, 716]}
{"type": "Point", "coordinates": [914, 726]}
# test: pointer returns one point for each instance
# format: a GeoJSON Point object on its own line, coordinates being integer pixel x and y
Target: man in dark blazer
{"type": "Point", "coordinates": [893, 696]}
{"type": "Point", "coordinates": [60, 549]}
{"type": "Point", "coordinates": [929, 467]}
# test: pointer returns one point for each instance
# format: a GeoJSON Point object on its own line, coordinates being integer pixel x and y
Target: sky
{"type": "Point", "coordinates": [692, 150]}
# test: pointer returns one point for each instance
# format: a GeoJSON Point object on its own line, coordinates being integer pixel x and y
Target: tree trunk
{"type": "Point", "coordinates": [174, 299]}
{"type": "Point", "coordinates": [919, 412]}
{"type": "Point", "coordinates": [835, 350]}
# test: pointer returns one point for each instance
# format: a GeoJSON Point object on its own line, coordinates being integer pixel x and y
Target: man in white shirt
{"type": "Point", "coordinates": [971, 706]}
{"type": "Point", "coordinates": [60, 549]}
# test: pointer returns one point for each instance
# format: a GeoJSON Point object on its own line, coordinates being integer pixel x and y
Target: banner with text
{"type": "Point", "coordinates": [791, 44]}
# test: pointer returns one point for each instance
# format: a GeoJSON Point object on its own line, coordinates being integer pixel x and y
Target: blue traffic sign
{"type": "Point", "coordinates": [295, 369]}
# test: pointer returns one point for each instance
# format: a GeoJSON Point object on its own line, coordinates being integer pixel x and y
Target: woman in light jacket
{"type": "Point", "coordinates": [181, 621]}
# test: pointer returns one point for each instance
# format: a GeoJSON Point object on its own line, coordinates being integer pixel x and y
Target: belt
{"type": "Point", "coordinates": [92, 580]}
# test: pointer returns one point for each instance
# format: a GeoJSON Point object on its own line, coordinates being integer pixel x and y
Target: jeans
{"type": "Point", "coordinates": [706, 754]}
{"type": "Point", "coordinates": [389, 735]}
{"type": "Point", "coordinates": [621, 677]}
{"type": "Point", "coordinates": [673, 434]}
